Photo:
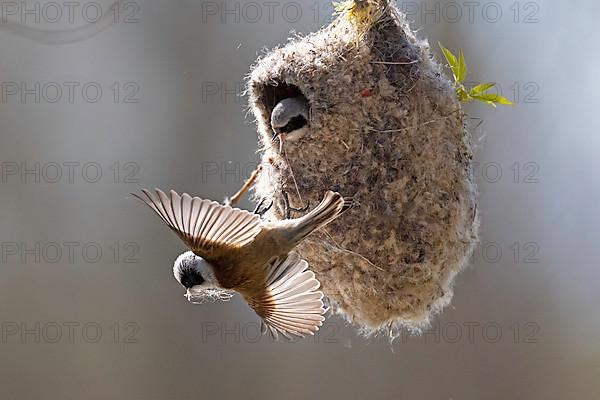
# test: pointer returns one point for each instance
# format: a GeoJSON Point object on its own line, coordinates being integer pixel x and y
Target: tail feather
{"type": "Point", "coordinates": [331, 207]}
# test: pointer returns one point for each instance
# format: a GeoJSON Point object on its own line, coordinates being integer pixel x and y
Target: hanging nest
{"type": "Point", "coordinates": [385, 127]}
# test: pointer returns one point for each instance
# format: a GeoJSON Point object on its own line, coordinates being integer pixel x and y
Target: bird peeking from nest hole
{"type": "Point", "coordinates": [233, 250]}
{"type": "Point", "coordinates": [290, 122]}
{"type": "Point", "coordinates": [290, 118]}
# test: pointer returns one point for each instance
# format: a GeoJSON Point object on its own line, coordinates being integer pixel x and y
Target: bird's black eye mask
{"type": "Point", "coordinates": [190, 277]}
{"type": "Point", "coordinates": [295, 123]}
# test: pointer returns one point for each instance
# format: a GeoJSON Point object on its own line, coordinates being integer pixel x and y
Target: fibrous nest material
{"type": "Point", "coordinates": [386, 128]}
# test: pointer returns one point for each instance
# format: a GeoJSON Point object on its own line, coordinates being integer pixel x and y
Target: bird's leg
{"type": "Point", "coordinates": [260, 210]}
{"type": "Point", "coordinates": [287, 209]}
{"type": "Point", "coordinates": [233, 200]}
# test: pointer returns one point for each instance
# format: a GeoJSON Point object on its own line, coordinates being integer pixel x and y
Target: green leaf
{"type": "Point", "coordinates": [462, 67]}
{"type": "Point", "coordinates": [452, 61]}
{"type": "Point", "coordinates": [504, 100]}
{"type": "Point", "coordinates": [484, 87]}
{"type": "Point", "coordinates": [479, 92]}
{"type": "Point", "coordinates": [462, 94]}
{"type": "Point", "coordinates": [492, 99]}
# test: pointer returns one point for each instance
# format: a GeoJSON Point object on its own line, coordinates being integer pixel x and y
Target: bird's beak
{"type": "Point", "coordinates": [275, 134]}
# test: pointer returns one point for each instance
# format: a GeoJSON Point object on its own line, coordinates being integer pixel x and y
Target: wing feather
{"type": "Point", "coordinates": [204, 225]}
{"type": "Point", "coordinates": [291, 304]}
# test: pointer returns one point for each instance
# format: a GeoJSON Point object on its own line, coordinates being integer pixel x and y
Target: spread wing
{"type": "Point", "coordinates": [204, 225]}
{"type": "Point", "coordinates": [290, 304]}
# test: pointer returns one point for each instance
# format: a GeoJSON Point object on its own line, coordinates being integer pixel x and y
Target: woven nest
{"type": "Point", "coordinates": [386, 128]}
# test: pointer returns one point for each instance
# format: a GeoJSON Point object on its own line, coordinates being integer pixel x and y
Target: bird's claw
{"type": "Point", "coordinates": [260, 210]}
{"type": "Point", "coordinates": [288, 209]}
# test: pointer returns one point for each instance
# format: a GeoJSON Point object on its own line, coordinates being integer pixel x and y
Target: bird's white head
{"type": "Point", "coordinates": [197, 276]}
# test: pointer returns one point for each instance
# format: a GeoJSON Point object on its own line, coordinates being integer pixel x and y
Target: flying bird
{"type": "Point", "coordinates": [233, 250]}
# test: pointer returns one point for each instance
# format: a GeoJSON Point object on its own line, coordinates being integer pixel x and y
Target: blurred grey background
{"type": "Point", "coordinates": [89, 307]}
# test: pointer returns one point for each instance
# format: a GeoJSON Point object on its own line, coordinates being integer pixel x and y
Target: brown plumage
{"type": "Point", "coordinates": [250, 255]}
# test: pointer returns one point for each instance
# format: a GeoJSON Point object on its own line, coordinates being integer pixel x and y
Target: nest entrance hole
{"type": "Point", "coordinates": [270, 95]}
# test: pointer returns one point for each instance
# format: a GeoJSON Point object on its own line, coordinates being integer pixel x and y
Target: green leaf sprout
{"type": "Point", "coordinates": [479, 92]}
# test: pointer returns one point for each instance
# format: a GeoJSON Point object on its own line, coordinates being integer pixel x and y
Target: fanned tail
{"type": "Point", "coordinates": [331, 207]}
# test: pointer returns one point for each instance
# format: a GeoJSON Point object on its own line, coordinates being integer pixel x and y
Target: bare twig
{"type": "Point", "coordinates": [233, 200]}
